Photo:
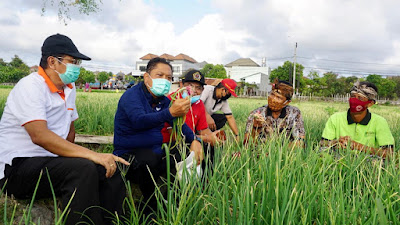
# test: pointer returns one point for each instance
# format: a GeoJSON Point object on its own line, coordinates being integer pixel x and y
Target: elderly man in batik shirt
{"type": "Point", "coordinates": [277, 118]}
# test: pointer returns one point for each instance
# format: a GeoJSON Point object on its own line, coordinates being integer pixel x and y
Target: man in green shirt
{"type": "Point", "coordinates": [358, 128]}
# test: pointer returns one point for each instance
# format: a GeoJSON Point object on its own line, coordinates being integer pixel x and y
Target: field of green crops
{"type": "Point", "coordinates": [289, 186]}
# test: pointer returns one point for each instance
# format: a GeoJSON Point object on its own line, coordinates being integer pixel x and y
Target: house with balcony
{"type": "Point", "coordinates": [180, 64]}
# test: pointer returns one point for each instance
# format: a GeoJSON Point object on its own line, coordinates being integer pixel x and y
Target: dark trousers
{"type": "Point", "coordinates": [68, 175]}
{"type": "Point", "coordinates": [145, 161]}
{"type": "Point", "coordinates": [219, 119]}
{"type": "Point", "coordinates": [208, 161]}
{"type": "Point", "coordinates": [145, 165]}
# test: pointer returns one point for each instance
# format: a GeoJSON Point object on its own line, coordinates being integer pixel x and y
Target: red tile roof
{"type": "Point", "coordinates": [167, 56]}
{"type": "Point", "coordinates": [148, 56]}
{"type": "Point", "coordinates": [185, 57]}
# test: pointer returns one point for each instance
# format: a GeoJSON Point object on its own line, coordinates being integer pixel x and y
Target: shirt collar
{"type": "Point", "coordinates": [364, 121]}
{"type": "Point", "coordinates": [282, 115]}
{"type": "Point", "coordinates": [50, 83]}
{"type": "Point", "coordinates": [150, 97]}
{"type": "Point", "coordinates": [215, 94]}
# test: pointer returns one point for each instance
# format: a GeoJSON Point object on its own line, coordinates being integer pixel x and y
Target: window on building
{"type": "Point", "coordinates": [177, 69]}
{"type": "Point", "coordinates": [142, 68]}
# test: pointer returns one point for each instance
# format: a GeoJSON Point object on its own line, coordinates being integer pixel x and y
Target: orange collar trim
{"type": "Point", "coordinates": [50, 83]}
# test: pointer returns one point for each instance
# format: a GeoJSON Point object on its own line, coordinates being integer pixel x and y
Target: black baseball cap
{"type": "Point", "coordinates": [61, 44]}
{"type": "Point", "coordinates": [194, 75]}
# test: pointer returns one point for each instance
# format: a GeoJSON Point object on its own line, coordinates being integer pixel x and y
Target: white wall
{"type": "Point", "coordinates": [257, 75]}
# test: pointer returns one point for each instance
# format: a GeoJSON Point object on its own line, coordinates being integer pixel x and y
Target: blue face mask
{"type": "Point", "coordinates": [194, 99]}
{"type": "Point", "coordinates": [71, 73]}
{"type": "Point", "coordinates": [160, 86]}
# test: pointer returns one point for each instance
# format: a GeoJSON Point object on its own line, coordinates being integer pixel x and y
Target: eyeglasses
{"type": "Point", "coordinates": [73, 61]}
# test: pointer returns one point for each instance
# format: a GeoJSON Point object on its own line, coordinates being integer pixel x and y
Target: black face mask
{"type": "Point", "coordinates": [226, 97]}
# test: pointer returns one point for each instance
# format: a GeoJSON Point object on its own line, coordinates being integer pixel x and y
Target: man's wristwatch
{"type": "Point", "coordinates": [198, 139]}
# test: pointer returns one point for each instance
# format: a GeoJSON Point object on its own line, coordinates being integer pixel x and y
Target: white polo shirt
{"type": "Point", "coordinates": [35, 97]}
{"type": "Point", "coordinates": [211, 104]}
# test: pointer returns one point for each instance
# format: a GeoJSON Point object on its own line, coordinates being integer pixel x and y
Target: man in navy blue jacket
{"type": "Point", "coordinates": [141, 114]}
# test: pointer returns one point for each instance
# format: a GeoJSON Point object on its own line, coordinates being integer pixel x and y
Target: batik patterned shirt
{"type": "Point", "coordinates": [289, 123]}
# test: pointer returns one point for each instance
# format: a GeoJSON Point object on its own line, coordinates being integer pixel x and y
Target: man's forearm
{"type": "Point", "coordinates": [71, 134]}
{"type": "Point", "coordinates": [232, 124]}
{"type": "Point", "coordinates": [53, 143]}
{"type": "Point", "coordinates": [328, 143]}
{"type": "Point", "coordinates": [382, 152]}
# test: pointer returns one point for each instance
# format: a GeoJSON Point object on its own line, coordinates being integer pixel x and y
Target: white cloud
{"type": "Point", "coordinates": [123, 31]}
{"type": "Point", "coordinates": [357, 30]}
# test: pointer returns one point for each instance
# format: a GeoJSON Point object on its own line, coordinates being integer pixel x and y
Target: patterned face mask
{"type": "Point", "coordinates": [275, 103]}
{"type": "Point", "coordinates": [356, 105]}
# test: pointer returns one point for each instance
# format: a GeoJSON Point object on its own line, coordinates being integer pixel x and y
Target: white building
{"type": "Point", "coordinates": [247, 70]}
{"type": "Point", "coordinates": [180, 64]}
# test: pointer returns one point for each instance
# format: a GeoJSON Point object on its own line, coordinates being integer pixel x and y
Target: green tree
{"type": "Point", "coordinates": [396, 80]}
{"type": "Point", "coordinates": [214, 71]}
{"type": "Point", "coordinates": [312, 83]}
{"type": "Point", "coordinates": [12, 72]}
{"type": "Point", "coordinates": [285, 72]}
{"type": "Point", "coordinates": [87, 76]}
{"type": "Point", "coordinates": [386, 87]}
{"type": "Point", "coordinates": [4, 73]}
{"type": "Point", "coordinates": [102, 77]}
{"type": "Point", "coordinates": [2, 63]}
{"type": "Point", "coordinates": [349, 82]}
{"type": "Point", "coordinates": [84, 6]}
{"type": "Point", "coordinates": [331, 84]}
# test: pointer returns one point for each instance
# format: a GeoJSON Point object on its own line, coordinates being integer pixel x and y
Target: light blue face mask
{"type": "Point", "coordinates": [71, 73]}
{"type": "Point", "coordinates": [194, 99]}
{"type": "Point", "coordinates": [160, 86]}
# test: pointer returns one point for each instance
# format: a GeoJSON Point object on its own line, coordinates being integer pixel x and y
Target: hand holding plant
{"type": "Point", "coordinates": [258, 120]}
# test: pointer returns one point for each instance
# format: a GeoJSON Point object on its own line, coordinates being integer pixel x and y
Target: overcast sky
{"type": "Point", "coordinates": [345, 36]}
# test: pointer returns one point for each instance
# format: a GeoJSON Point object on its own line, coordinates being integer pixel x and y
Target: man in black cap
{"type": "Point", "coordinates": [37, 136]}
{"type": "Point", "coordinates": [196, 116]}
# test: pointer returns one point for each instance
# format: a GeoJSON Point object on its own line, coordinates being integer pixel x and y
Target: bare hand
{"type": "Point", "coordinates": [211, 123]}
{"type": "Point", "coordinates": [197, 148]}
{"type": "Point", "coordinates": [109, 162]}
{"type": "Point", "coordinates": [180, 107]}
{"type": "Point", "coordinates": [258, 120]}
{"type": "Point", "coordinates": [219, 136]}
{"type": "Point", "coordinates": [344, 141]}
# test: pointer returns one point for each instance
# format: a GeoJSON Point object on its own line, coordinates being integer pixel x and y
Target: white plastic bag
{"type": "Point", "coordinates": [189, 163]}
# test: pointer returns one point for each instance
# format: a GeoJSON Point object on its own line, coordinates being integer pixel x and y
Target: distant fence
{"type": "Point", "coordinates": [255, 94]}
{"type": "Point", "coordinates": [333, 98]}
{"type": "Point", "coordinates": [343, 98]}
{"type": "Point", "coordinates": [7, 84]}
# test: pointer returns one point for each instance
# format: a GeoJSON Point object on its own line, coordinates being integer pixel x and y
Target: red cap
{"type": "Point", "coordinates": [230, 85]}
